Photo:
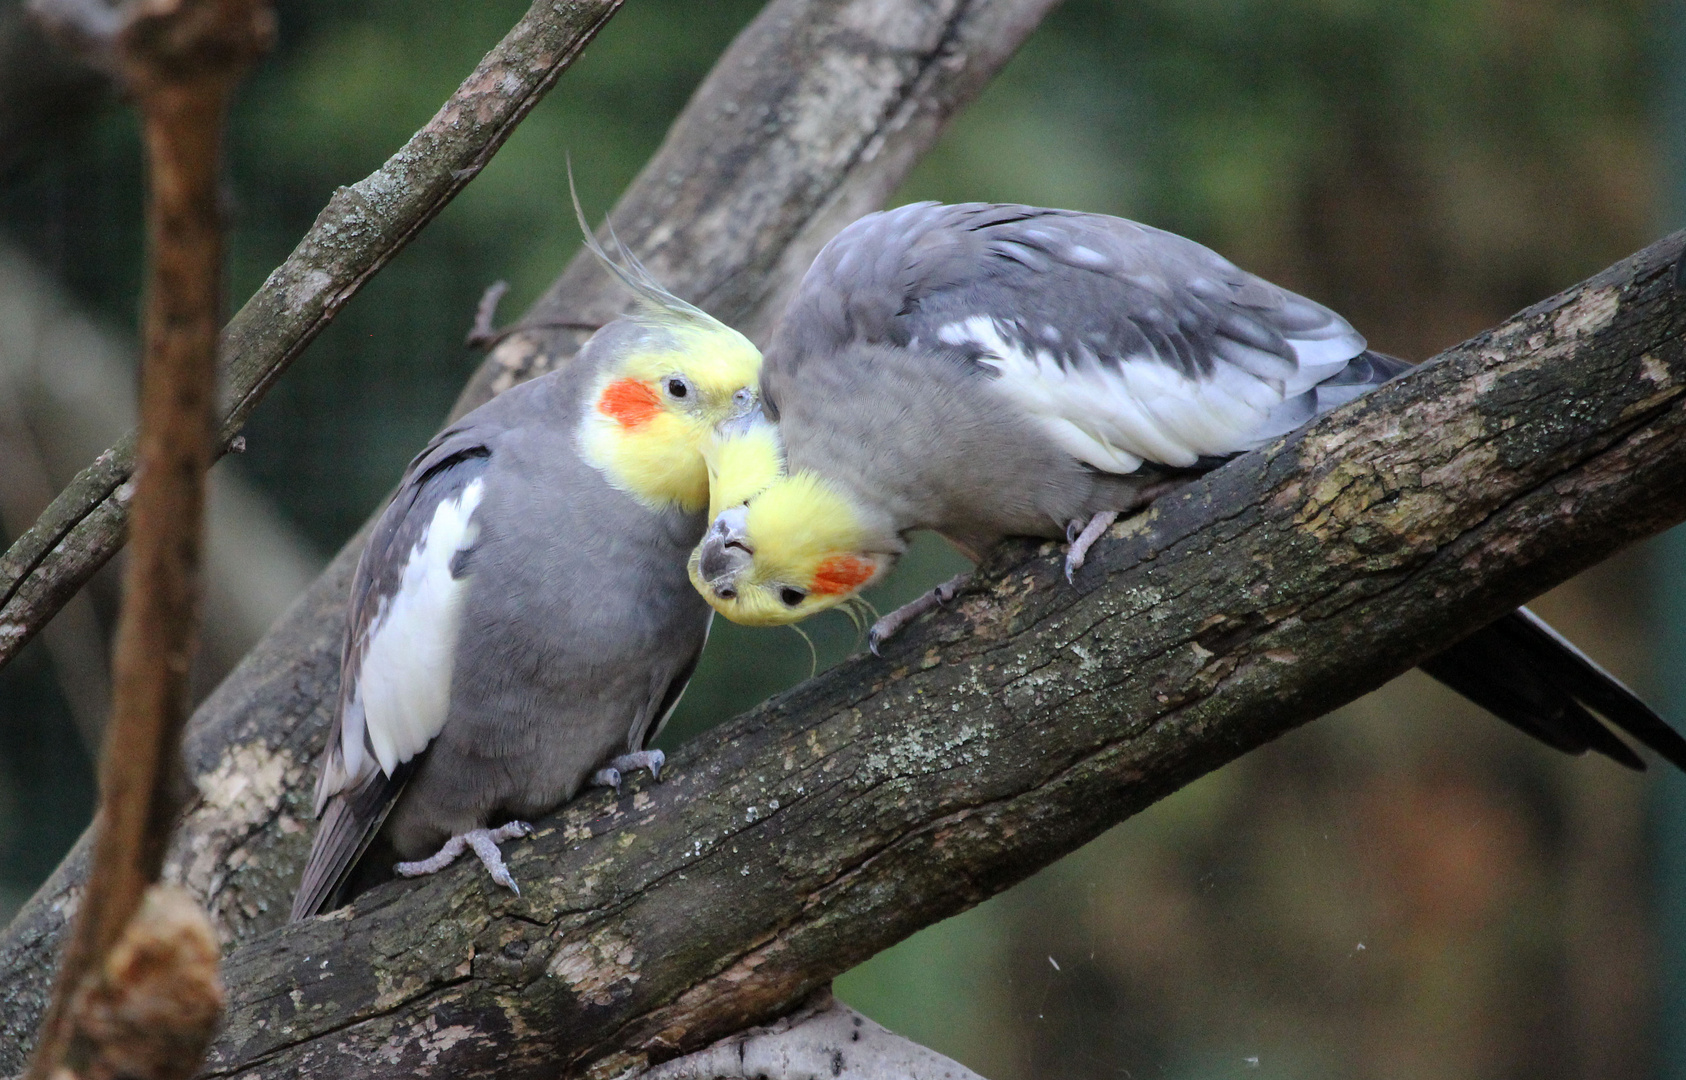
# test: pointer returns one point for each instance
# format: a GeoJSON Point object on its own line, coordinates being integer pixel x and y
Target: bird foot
{"type": "Point", "coordinates": [484, 842]}
{"type": "Point", "coordinates": [1082, 539]}
{"type": "Point", "coordinates": [891, 625]}
{"type": "Point", "coordinates": [611, 775]}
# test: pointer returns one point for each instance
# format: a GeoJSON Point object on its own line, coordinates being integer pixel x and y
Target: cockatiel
{"type": "Point", "coordinates": [995, 370]}
{"type": "Point", "coordinates": [521, 620]}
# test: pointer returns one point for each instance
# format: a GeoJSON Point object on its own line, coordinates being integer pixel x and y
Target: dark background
{"type": "Point", "coordinates": [1406, 889]}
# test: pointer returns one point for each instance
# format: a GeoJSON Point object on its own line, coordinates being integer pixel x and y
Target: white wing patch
{"type": "Point", "coordinates": [404, 684]}
{"type": "Point", "coordinates": [1118, 414]}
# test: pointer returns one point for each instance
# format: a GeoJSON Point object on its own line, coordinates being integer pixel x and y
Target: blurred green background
{"type": "Point", "coordinates": [1406, 889]}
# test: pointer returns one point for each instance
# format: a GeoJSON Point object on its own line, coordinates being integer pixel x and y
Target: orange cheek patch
{"type": "Point", "coordinates": [630, 403]}
{"type": "Point", "coordinates": [840, 574]}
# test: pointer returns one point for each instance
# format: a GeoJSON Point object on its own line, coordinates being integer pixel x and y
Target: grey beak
{"type": "Point", "coordinates": [746, 413]}
{"type": "Point", "coordinates": [725, 552]}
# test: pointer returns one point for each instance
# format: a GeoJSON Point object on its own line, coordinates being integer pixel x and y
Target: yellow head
{"type": "Point", "coordinates": [654, 406]}
{"type": "Point", "coordinates": [799, 546]}
{"type": "Point", "coordinates": [672, 374]}
{"type": "Point", "coordinates": [744, 457]}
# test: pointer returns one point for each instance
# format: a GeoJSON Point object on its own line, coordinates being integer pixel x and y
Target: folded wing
{"type": "Point", "coordinates": [395, 679]}
{"type": "Point", "coordinates": [1126, 343]}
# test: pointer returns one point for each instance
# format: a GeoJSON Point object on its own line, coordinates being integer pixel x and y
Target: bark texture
{"type": "Point", "coordinates": [799, 156]}
{"type": "Point", "coordinates": [1006, 731]}
{"type": "Point", "coordinates": [358, 232]}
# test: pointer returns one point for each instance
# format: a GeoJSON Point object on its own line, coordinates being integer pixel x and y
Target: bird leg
{"type": "Point", "coordinates": [1083, 538]}
{"type": "Point", "coordinates": [610, 775]}
{"type": "Point", "coordinates": [891, 625]}
{"type": "Point", "coordinates": [485, 844]}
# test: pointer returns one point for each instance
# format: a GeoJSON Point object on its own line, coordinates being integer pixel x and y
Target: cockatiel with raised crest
{"type": "Point", "coordinates": [520, 620]}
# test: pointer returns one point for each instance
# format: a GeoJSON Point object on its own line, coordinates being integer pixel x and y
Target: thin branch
{"type": "Point", "coordinates": [1008, 730]}
{"type": "Point", "coordinates": [790, 157]}
{"type": "Point", "coordinates": [483, 333]}
{"type": "Point", "coordinates": [360, 230]}
{"type": "Point", "coordinates": [181, 60]}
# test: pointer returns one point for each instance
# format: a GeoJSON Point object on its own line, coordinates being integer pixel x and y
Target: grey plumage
{"type": "Point", "coordinates": [913, 309]}
{"type": "Point", "coordinates": [986, 371]}
{"type": "Point", "coordinates": [577, 630]}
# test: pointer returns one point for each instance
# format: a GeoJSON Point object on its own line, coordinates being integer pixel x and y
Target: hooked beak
{"type": "Point", "coordinates": [725, 552]}
{"type": "Point", "coordinates": [745, 414]}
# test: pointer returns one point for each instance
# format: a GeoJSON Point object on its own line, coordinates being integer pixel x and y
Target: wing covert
{"type": "Point", "coordinates": [395, 665]}
{"type": "Point", "coordinates": [1127, 343]}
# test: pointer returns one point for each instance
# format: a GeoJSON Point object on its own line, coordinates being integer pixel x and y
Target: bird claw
{"type": "Point", "coordinates": [612, 774]}
{"type": "Point", "coordinates": [651, 761]}
{"type": "Point", "coordinates": [484, 843]}
{"type": "Point", "coordinates": [1084, 540]}
{"type": "Point", "coordinates": [891, 625]}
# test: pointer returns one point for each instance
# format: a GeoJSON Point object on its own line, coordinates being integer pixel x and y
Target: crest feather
{"type": "Point", "coordinates": [653, 299]}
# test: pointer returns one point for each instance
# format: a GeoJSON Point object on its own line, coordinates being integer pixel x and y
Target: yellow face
{"type": "Point", "coordinates": [796, 548]}
{"type": "Point", "coordinates": [654, 409]}
{"type": "Point", "coordinates": [744, 458]}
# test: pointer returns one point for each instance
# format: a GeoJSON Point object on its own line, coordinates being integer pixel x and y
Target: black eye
{"type": "Point", "coordinates": [792, 597]}
{"type": "Point", "coordinates": [676, 386]}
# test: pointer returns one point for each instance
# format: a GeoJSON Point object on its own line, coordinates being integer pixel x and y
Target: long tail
{"type": "Point", "coordinates": [349, 823]}
{"type": "Point", "coordinates": [1527, 674]}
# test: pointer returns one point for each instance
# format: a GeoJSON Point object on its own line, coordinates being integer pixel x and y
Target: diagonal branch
{"type": "Point", "coordinates": [812, 117]}
{"type": "Point", "coordinates": [358, 232]}
{"type": "Point", "coordinates": [1001, 734]}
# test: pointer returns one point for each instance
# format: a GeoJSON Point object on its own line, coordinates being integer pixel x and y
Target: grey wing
{"type": "Point", "coordinates": [1126, 343]}
{"type": "Point", "coordinates": [355, 787]}
{"type": "Point", "coordinates": [671, 696]}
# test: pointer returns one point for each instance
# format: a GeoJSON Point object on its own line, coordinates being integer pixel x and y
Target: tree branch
{"type": "Point", "coordinates": [792, 154]}
{"type": "Point", "coordinates": [360, 230]}
{"type": "Point", "coordinates": [1005, 732]}
{"type": "Point", "coordinates": [181, 59]}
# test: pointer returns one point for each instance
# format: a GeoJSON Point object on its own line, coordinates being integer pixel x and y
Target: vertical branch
{"type": "Point", "coordinates": [180, 59]}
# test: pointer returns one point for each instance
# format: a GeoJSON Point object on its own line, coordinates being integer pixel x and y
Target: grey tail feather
{"type": "Point", "coordinates": [1530, 676]}
{"type": "Point", "coordinates": [349, 823]}
{"type": "Point", "coordinates": [632, 273]}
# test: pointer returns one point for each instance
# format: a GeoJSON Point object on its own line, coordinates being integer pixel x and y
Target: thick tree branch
{"type": "Point", "coordinates": [1001, 734]}
{"type": "Point", "coordinates": [798, 156]}
{"type": "Point", "coordinates": [360, 230]}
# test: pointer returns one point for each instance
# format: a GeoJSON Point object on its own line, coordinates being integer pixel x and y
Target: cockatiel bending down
{"type": "Point", "coordinates": [992, 370]}
{"type": "Point", "coordinates": [521, 620]}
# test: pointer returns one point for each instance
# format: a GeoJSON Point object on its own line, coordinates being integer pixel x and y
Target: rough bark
{"type": "Point", "coordinates": [807, 157]}
{"type": "Point", "coordinates": [358, 232]}
{"type": "Point", "coordinates": [998, 735]}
